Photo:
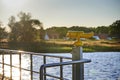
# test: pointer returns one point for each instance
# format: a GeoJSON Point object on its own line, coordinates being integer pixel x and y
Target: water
{"type": "Point", "coordinates": [104, 66]}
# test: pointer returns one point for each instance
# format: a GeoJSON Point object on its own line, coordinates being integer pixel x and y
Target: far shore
{"type": "Point", "coordinates": [63, 46]}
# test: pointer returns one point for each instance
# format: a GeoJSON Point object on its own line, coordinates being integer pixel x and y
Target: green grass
{"type": "Point", "coordinates": [101, 49]}
{"type": "Point", "coordinates": [58, 49]}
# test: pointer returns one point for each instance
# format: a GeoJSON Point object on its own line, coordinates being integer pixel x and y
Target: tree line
{"type": "Point", "coordinates": [32, 30]}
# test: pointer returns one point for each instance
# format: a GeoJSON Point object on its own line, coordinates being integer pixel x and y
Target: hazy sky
{"type": "Point", "coordinates": [64, 12]}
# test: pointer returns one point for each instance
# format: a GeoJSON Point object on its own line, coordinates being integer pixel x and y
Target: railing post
{"type": "Point", "coordinates": [78, 69]}
{"type": "Point", "coordinates": [3, 66]}
{"type": "Point", "coordinates": [44, 60]}
{"type": "Point", "coordinates": [41, 77]}
{"type": "Point", "coordinates": [31, 66]}
{"type": "Point", "coordinates": [61, 69]}
{"type": "Point", "coordinates": [20, 65]}
{"type": "Point", "coordinates": [10, 65]}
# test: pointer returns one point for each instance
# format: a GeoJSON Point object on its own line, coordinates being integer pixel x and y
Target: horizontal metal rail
{"type": "Point", "coordinates": [7, 51]}
{"type": "Point", "coordinates": [60, 64]}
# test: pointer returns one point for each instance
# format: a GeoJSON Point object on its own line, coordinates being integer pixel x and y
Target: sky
{"type": "Point", "coordinates": [89, 13]}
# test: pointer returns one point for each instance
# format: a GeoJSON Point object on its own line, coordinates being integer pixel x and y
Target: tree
{"type": "Point", "coordinates": [80, 28]}
{"type": "Point", "coordinates": [11, 22]}
{"type": "Point", "coordinates": [102, 30]}
{"type": "Point", "coordinates": [61, 31]}
{"type": "Point", "coordinates": [25, 30]}
{"type": "Point", "coordinates": [114, 29]}
{"type": "Point", "coordinates": [3, 33]}
{"type": "Point", "coordinates": [24, 16]}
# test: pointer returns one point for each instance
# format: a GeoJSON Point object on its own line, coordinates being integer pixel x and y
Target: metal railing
{"type": "Point", "coordinates": [42, 71]}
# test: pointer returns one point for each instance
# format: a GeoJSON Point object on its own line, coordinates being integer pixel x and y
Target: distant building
{"type": "Point", "coordinates": [46, 36]}
{"type": "Point", "coordinates": [96, 37]}
{"type": "Point", "coordinates": [53, 36]}
{"type": "Point", "coordinates": [103, 36]}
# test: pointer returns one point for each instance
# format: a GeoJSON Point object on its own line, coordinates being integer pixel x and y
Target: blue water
{"type": "Point", "coordinates": [104, 66]}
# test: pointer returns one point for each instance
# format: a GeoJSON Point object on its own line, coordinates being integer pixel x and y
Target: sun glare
{"type": "Point", "coordinates": [15, 62]}
{"type": "Point", "coordinates": [20, 51]}
{"type": "Point", "coordinates": [13, 3]}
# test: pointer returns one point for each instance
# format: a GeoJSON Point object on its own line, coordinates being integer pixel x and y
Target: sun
{"type": "Point", "coordinates": [13, 3]}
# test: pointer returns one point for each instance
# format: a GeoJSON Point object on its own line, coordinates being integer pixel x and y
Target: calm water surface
{"type": "Point", "coordinates": [104, 66]}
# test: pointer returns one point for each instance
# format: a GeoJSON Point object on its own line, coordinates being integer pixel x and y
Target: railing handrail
{"type": "Point", "coordinates": [60, 64]}
{"type": "Point", "coordinates": [66, 63]}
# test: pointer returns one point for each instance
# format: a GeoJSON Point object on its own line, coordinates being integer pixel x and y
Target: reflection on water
{"type": "Point", "coordinates": [104, 66]}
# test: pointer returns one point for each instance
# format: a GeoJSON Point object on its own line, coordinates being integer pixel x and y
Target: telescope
{"type": "Point", "coordinates": [78, 35]}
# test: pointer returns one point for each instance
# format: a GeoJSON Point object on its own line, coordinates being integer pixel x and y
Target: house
{"type": "Point", "coordinates": [103, 36]}
{"type": "Point", "coordinates": [53, 36]}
